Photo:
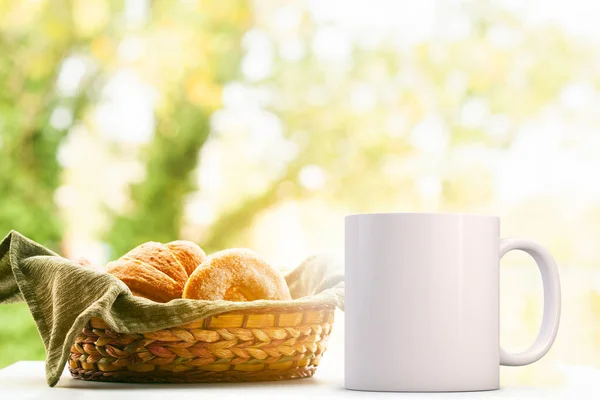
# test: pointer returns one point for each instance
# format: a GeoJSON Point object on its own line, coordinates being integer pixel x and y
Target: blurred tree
{"type": "Point", "coordinates": [414, 125]}
{"type": "Point", "coordinates": [209, 40]}
{"type": "Point", "coordinates": [35, 38]}
{"type": "Point", "coordinates": [48, 70]}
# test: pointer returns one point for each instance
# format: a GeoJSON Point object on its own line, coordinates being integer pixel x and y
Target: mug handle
{"type": "Point", "coordinates": [550, 321]}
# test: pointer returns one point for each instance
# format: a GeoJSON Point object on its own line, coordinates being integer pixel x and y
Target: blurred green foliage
{"type": "Point", "coordinates": [193, 93]}
{"type": "Point", "coordinates": [19, 338]}
{"type": "Point", "coordinates": [31, 59]}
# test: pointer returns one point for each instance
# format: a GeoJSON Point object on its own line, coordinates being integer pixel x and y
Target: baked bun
{"type": "Point", "coordinates": [236, 275]}
{"type": "Point", "coordinates": [157, 271]}
{"type": "Point", "coordinates": [189, 254]}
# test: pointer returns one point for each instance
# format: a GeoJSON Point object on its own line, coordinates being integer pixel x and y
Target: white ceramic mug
{"type": "Point", "coordinates": [421, 304]}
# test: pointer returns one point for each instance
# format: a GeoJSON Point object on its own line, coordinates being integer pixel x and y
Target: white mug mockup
{"type": "Point", "coordinates": [421, 302]}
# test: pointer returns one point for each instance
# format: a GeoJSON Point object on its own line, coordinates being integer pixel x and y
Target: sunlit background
{"type": "Point", "coordinates": [262, 123]}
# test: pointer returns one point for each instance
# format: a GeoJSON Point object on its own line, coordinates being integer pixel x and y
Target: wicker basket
{"type": "Point", "coordinates": [252, 345]}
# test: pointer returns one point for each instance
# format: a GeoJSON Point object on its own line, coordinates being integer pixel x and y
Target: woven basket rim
{"type": "Point", "coordinates": [327, 296]}
{"type": "Point", "coordinates": [279, 309]}
{"type": "Point", "coordinates": [248, 312]}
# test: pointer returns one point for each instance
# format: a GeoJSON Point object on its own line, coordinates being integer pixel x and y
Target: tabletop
{"type": "Point", "coordinates": [25, 380]}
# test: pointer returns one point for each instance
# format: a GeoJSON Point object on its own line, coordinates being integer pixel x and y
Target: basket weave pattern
{"type": "Point", "coordinates": [252, 345]}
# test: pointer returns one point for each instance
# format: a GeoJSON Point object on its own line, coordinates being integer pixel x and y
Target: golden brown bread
{"type": "Point", "coordinates": [157, 271]}
{"type": "Point", "coordinates": [236, 275]}
{"type": "Point", "coordinates": [189, 254]}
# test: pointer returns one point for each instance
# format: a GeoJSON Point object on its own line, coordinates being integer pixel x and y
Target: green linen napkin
{"type": "Point", "coordinates": [63, 295]}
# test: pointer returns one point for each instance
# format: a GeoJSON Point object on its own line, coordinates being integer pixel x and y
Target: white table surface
{"type": "Point", "coordinates": [25, 380]}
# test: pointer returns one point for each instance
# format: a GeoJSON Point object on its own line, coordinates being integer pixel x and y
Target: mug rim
{"type": "Point", "coordinates": [424, 214]}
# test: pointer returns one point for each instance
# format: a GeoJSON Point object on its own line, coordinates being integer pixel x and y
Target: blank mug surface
{"type": "Point", "coordinates": [421, 302]}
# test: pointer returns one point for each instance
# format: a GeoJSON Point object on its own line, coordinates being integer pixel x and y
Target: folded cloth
{"type": "Point", "coordinates": [63, 295]}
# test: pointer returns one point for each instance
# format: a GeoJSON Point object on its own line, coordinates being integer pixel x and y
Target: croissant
{"type": "Point", "coordinates": [158, 271]}
{"type": "Point", "coordinates": [236, 275]}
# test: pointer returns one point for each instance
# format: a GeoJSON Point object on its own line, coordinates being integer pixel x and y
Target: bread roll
{"type": "Point", "coordinates": [190, 256]}
{"type": "Point", "coordinates": [236, 275]}
{"type": "Point", "coordinates": [157, 271]}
